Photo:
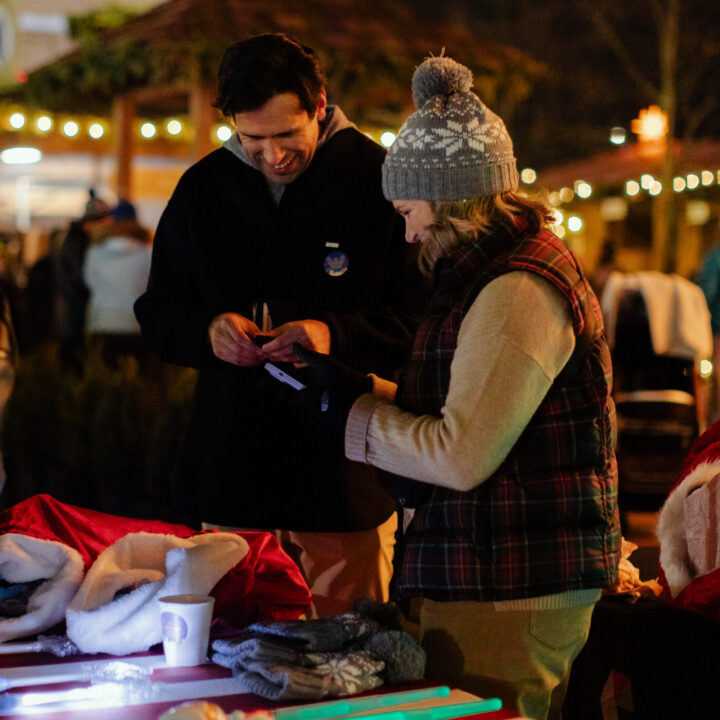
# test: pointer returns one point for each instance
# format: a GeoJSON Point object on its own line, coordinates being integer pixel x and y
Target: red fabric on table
{"type": "Point", "coordinates": [265, 585]}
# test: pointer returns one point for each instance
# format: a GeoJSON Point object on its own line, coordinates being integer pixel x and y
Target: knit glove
{"type": "Point", "coordinates": [326, 675]}
{"type": "Point", "coordinates": [334, 388]}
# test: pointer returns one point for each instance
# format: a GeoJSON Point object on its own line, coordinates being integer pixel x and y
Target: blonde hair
{"type": "Point", "coordinates": [461, 221]}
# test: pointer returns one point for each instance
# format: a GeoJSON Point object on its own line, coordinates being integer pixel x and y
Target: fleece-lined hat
{"type": "Point", "coordinates": [454, 147]}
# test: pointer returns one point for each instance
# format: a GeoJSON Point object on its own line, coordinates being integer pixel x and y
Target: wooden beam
{"type": "Point", "coordinates": [123, 118]}
{"type": "Point", "coordinates": [202, 113]}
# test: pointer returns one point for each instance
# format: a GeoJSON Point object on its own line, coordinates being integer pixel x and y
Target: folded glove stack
{"type": "Point", "coordinates": [329, 657]}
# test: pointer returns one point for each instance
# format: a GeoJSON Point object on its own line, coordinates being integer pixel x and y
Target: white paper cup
{"type": "Point", "coordinates": [185, 623]}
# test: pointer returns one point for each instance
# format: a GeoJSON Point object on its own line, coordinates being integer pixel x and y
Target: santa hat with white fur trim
{"type": "Point", "coordinates": [688, 529]}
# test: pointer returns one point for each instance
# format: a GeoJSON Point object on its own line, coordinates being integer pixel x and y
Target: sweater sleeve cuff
{"type": "Point", "coordinates": [356, 428]}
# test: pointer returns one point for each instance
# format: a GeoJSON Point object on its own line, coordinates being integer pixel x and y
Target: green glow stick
{"type": "Point", "coordinates": [441, 712]}
{"type": "Point", "coordinates": [341, 708]}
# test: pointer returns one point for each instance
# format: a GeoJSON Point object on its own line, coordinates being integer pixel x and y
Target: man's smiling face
{"type": "Point", "coordinates": [280, 137]}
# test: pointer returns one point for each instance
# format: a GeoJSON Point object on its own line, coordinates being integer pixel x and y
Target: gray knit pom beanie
{"type": "Point", "coordinates": [453, 147]}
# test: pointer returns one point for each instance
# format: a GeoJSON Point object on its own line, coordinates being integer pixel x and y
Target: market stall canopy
{"type": "Point", "coordinates": [164, 63]}
{"type": "Point", "coordinates": [612, 169]}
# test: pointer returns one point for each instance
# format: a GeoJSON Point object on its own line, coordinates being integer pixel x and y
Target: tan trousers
{"type": "Point", "coordinates": [522, 657]}
{"type": "Point", "coordinates": [340, 568]}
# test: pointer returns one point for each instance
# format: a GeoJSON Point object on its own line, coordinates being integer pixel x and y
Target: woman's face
{"type": "Point", "coordinates": [418, 216]}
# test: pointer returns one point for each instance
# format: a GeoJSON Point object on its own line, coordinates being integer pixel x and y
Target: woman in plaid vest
{"type": "Point", "coordinates": [503, 414]}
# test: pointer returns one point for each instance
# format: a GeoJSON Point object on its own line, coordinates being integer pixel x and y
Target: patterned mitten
{"type": "Point", "coordinates": [330, 675]}
{"type": "Point", "coordinates": [348, 673]}
{"type": "Point", "coordinates": [402, 656]}
{"type": "Point", "coordinates": [283, 682]}
{"type": "Point", "coordinates": [324, 634]}
{"type": "Point", "coordinates": [236, 653]}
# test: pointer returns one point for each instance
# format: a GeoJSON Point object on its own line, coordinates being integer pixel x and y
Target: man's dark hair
{"type": "Point", "coordinates": [256, 69]}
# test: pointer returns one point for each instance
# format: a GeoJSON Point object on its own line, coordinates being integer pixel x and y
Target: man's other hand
{"type": "Point", "coordinates": [231, 340]}
{"type": "Point", "coordinates": [311, 334]}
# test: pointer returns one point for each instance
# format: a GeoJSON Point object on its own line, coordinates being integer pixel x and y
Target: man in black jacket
{"type": "Point", "coordinates": [282, 232]}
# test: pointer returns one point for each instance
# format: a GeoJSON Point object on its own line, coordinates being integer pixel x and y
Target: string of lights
{"type": "Point", "coordinates": [649, 126]}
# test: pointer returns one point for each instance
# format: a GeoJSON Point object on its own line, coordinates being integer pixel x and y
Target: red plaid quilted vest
{"type": "Point", "coordinates": [547, 520]}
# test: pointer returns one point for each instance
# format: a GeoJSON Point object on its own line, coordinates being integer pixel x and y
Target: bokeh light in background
{"type": "Point", "coordinates": [223, 133]}
{"type": "Point", "coordinates": [387, 138]}
{"type": "Point", "coordinates": [44, 123]}
{"type": "Point", "coordinates": [17, 120]}
{"type": "Point", "coordinates": [618, 135]}
{"type": "Point", "coordinates": [20, 156]}
{"type": "Point", "coordinates": [148, 130]}
{"type": "Point", "coordinates": [174, 127]}
{"type": "Point", "coordinates": [646, 181]}
{"type": "Point", "coordinates": [71, 128]}
{"type": "Point", "coordinates": [96, 131]}
{"type": "Point", "coordinates": [574, 223]}
{"type": "Point", "coordinates": [583, 189]}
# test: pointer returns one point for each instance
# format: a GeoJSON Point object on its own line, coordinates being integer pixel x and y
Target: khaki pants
{"type": "Point", "coordinates": [340, 568]}
{"type": "Point", "coordinates": [522, 657]}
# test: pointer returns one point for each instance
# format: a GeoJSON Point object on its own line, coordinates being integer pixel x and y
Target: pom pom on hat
{"type": "Point", "coordinates": [439, 76]}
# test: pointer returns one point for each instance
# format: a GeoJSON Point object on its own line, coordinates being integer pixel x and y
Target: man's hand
{"type": "Point", "coordinates": [311, 334]}
{"type": "Point", "coordinates": [231, 339]}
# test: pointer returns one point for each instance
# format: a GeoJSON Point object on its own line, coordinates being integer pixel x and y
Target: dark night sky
{"type": "Point", "coordinates": [587, 90]}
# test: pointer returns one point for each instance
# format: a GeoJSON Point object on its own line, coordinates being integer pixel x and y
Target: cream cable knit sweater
{"type": "Point", "coordinates": [513, 342]}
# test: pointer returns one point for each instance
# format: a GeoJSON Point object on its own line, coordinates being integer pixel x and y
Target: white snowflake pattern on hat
{"type": "Point", "coordinates": [456, 135]}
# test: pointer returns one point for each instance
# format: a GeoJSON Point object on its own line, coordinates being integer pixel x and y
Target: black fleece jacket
{"type": "Point", "coordinates": [251, 458]}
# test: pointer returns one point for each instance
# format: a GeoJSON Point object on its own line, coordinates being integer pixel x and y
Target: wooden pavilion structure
{"type": "Point", "coordinates": [164, 61]}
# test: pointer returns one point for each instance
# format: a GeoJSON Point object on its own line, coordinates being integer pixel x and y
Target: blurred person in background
{"type": "Point", "coordinates": [115, 272]}
{"type": "Point", "coordinates": [8, 368]}
{"type": "Point", "coordinates": [709, 281]}
{"type": "Point", "coordinates": [606, 265]}
{"type": "Point", "coordinates": [72, 291]}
